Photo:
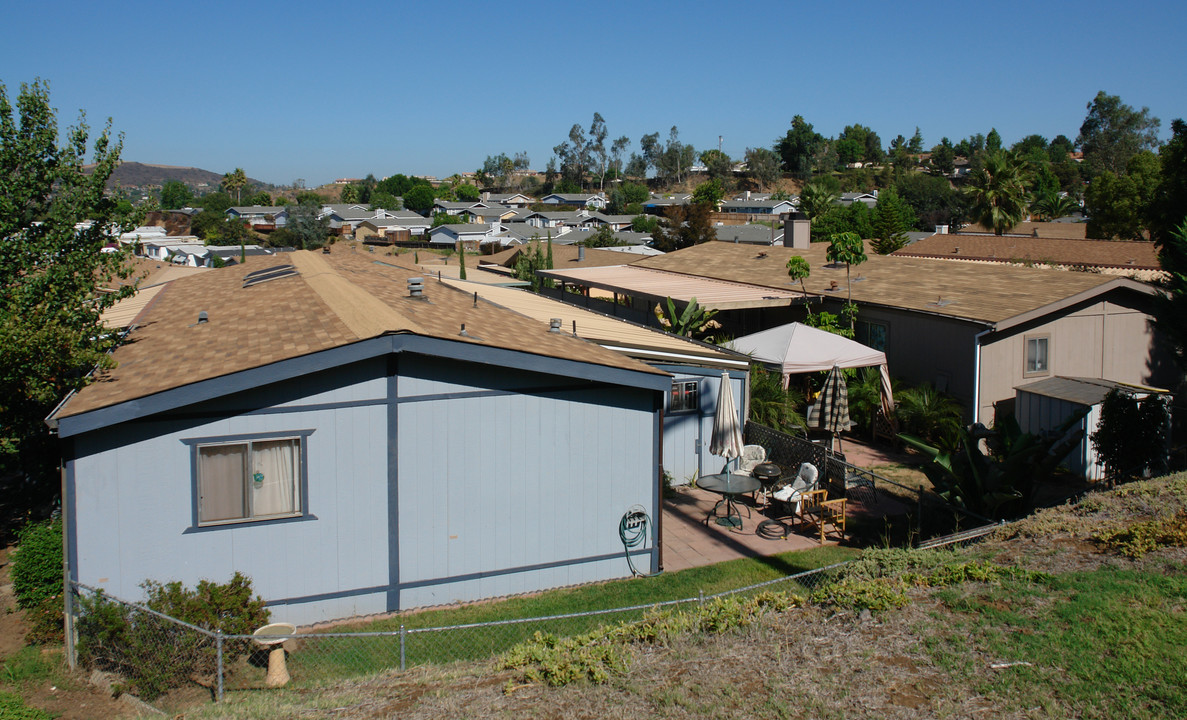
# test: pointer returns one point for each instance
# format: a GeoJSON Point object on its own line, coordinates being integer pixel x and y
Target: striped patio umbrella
{"type": "Point", "coordinates": [834, 403]}
{"type": "Point", "coordinates": [727, 433]}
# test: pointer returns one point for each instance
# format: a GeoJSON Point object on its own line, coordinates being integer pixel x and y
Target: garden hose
{"type": "Point", "coordinates": [633, 530]}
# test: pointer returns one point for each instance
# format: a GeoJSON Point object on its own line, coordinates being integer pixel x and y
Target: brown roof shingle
{"type": "Point", "coordinates": [332, 301]}
{"type": "Point", "coordinates": [1045, 250]}
{"type": "Point", "coordinates": [983, 293]}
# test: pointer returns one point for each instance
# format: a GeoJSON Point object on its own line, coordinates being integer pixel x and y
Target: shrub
{"type": "Point", "coordinates": [1138, 539]}
{"type": "Point", "coordinates": [12, 707]}
{"type": "Point", "coordinates": [37, 579]}
{"type": "Point", "coordinates": [153, 654]}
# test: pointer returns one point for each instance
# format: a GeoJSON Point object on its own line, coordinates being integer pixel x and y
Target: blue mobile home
{"type": "Point", "coordinates": [354, 449]}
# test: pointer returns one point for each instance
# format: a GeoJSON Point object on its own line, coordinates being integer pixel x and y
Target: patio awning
{"type": "Point", "coordinates": [657, 285]}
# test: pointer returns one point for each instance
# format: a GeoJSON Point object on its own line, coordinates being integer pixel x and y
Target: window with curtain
{"type": "Point", "coordinates": [1037, 354]}
{"type": "Point", "coordinates": [685, 397]}
{"type": "Point", "coordinates": [248, 480]}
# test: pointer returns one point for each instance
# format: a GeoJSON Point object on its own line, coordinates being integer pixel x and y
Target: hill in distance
{"type": "Point", "coordinates": [135, 174]}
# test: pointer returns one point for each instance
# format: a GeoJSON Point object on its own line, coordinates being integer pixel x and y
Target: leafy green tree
{"type": "Point", "coordinates": [1118, 206]}
{"type": "Point", "coordinates": [893, 217]}
{"type": "Point", "coordinates": [998, 191]}
{"type": "Point", "coordinates": [915, 144]}
{"type": "Point", "coordinates": [1113, 132]}
{"type": "Point", "coordinates": [798, 148]}
{"type": "Point", "coordinates": [993, 141]}
{"type": "Point", "coordinates": [929, 414]}
{"type": "Point", "coordinates": [596, 148]}
{"type": "Point", "coordinates": [419, 199]}
{"type": "Point", "coordinates": [684, 226]}
{"type": "Point", "coordinates": [309, 232]}
{"type": "Point", "coordinates": [645, 224]}
{"type": "Point", "coordinates": [349, 194]}
{"type": "Point", "coordinates": [933, 200]}
{"type": "Point", "coordinates": [856, 218]}
{"type": "Point", "coordinates": [261, 198]}
{"type": "Point", "coordinates": [798, 269]}
{"type": "Point", "coordinates": [381, 200]}
{"type": "Point", "coordinates": [466, 192]}
{"type": "Point", "coordinates": [1169, 204]}
{"type": "Point", "coordinates": [816, 199]}
{"type": "Point", "coordinates": [628, 193]}
{"type": "Point", "coordinates": [215, 201]}
{"type": "Point", "coordinates": [1170, 317]}
{"type": "Point", "coordinates": [848, 248]}
{"type": "Point", "coordinates": [529, 260]}
{"type": "Point", "coordinates": [1131, 437]}
{"type": "Point", "coordinates": [308, 197]}
{"type": "Point", "coordinates": [943, 157]}
{"type": "Point", "coordinates": [709, 193]}
{"type": "Point", "coordinates": [762, 166]}
{"type": "Point", "coordinates": [50, 270]}
{"type": "Point", "coordinates": [175, 195]}
{"type": "Point", "coordinates": [717, 164]}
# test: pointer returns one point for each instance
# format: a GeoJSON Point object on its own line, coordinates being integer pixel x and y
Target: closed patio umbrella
{"type": "Point", "coordinates": [834, 403]}
{"type": "Point", "coordinates": [727, 433]}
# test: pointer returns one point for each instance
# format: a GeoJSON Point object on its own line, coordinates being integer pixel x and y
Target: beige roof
{"type": "Point", "coordinates": [563, 256]}
{"type": "Point", "coordinates": [124, 312]}
{"type": "Point", "coordinates": [656, 285]}
{"type": "Point", "coordinates": [1065, 230]}
{"type": "Point", "coordinates": [634, 340]}
{"type": "Point", "coordinates": [1044, 250]}
{"type": "Point", "coordinates": [984, 293]}
{"type": "Point", "coordinates": [331, 301]}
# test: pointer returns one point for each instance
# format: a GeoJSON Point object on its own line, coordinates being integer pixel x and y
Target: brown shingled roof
{"type": "Point", "coordinates": [563, 256]}
{"type": "Point", "coordinates": [984, 293]}
{"type": "Point", "coordinates": [1046, 250]}
{"type": "Point", "coordinates": [331, 301]}
{"type": "Point", "coordinates": [1065, 230]}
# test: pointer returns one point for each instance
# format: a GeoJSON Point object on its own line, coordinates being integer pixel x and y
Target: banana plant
{"type": "Point", "coordinates": [997, 477]}
{"type": "Point", "coordinates": [694, 322]}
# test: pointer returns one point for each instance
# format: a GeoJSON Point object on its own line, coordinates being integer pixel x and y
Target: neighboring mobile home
{"type": "Point", "coordinates": [353, 445]}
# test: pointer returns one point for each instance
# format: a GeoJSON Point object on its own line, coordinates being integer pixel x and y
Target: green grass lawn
{"type": "Point", "coordinates": [1112, 642]}
{"type": "Point", "coordinates": [320, 660]}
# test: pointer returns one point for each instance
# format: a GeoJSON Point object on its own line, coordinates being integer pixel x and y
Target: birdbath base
{"type": "Point", "coordinates": [278, 673]}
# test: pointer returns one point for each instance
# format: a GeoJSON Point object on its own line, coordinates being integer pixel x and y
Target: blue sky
{"type": "Point", "coordinates": [320, 90]}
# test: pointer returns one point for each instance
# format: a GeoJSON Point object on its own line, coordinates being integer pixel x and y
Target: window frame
{"type": "Point", "coordinates": [869, 326]}
{"type": "Point", "coordinates": [1045, 338]}
{"type": "Point", "coordinates": [672, 395]}
{"type": "Point", "coordinates": [301, 481]}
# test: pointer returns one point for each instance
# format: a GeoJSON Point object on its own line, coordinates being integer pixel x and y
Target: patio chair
{"type": "Point", "coordinates": [805, 481]}
{"type": "Point", "coordinates": [752, 456]}
{"type": "Point", "coordinates": [818, 513]}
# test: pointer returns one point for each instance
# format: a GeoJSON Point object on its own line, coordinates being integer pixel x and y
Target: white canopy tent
{"type": "Point", "coordinates": [797, 348]}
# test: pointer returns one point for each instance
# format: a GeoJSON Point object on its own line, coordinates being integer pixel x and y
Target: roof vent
{"type": "Point", "coordinates": [554, 325]}
{"type": "Point", "coordinates": [956, 250]}
{"type": "Point", "coordinates": [203, 318]}
{"type": "Point", "coordinates": [580, 253]}
{"type": "Point", "coordinates": [272, 273]}
{"type": "Point", "coordinates": [416, 287]}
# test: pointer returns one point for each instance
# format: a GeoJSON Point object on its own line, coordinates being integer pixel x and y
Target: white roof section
{"type": "Point", "coordinates": [657, 285]}
{"type": "Point", "coordinates": [798, 348]}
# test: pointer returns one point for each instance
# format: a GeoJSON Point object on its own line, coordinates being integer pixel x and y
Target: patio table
{"type": "Point", "coordinates": [729, 486]}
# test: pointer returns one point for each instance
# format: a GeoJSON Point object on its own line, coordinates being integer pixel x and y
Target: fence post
{"type": "Point", "coordinates": [71, 650]}
{"type": "Point", "coordinates": [700, 597]}
{"type": "Point", "coordinates": [919, 514]}
{"type": "Point", "coordinates": [403, 635]}
{"type": "Point", "coordinates": [218, 645]}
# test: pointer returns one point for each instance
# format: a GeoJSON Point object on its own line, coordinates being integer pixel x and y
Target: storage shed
{"type": "Point", "coordinates": [1046, 404]}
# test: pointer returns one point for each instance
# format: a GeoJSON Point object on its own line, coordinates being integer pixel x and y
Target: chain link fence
{"type": "Point", "coordinates": [151, 653]}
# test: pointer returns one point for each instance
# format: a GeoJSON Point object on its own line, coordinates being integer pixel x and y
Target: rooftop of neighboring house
{"type": "Point", "coordinates": [563, 256]}
{"type": "Point", "coordinates": [753, 234]}
{"type": "Point", "coordinates": [1067, 230]}
{"type": "Point", "coordinates": [990, 294]}
{"type": "Point", "coordinates": [272, 309]}
{"type": "Point", "coordinates": [1037, 250]}
{"type": "Point", "coordinates": [256, 209]}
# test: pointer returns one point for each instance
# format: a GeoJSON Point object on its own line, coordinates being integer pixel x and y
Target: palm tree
{"type": "Point", "coordinates": [998, 191]}
{"type": "Point", "coordinates": [929, 414]}
{"type": "Point", "coordinates": [773, 406]}
{"type": "Point", "coordinates": [847, 247]}
{"type": "Point", "coordinates": [1051, 204]}
{"type": "Point", "coordinates": [236, 181]}
{"type": "Point", "coordinates": [816, 199]}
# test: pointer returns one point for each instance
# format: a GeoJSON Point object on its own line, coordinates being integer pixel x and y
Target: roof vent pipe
{"type": "Point", "coordinates": [554, 325]}
{"type": "Point", "coordinates": [203, 317]}
{"type": "Point", "coordinates": [580, 253]}
{"type": "Point", "coordinates": [416, 287]}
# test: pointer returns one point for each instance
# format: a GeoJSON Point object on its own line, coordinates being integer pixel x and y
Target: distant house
{"type": "Point", "coordinates": [515, 200]}
{"type": "Point", "coordinates": [471, 235]}
{"type": "Point", "coordinates": [751, 234]}
{"type": "Point", "coordinates": [449, 207]}
{"type": "Point", "coordinates": [658, 205]}
{"type": "Point", "coordinates": [355, 444]}
{"type": "Point", "coordinates": [570, 219]}
{"type": "Point", "coordinates": [758, 207]}
{"type": "Point", "coordinates": [382, 228]}
{"type": "Point", "coordinates": [260, 215]}
{"type": "Point", "coordinates": [348, 217]}
{"type": "Point", "coordinates": [869, 199]}
{"type": "Point", "coordinates": [975, 331]}
{"type": "Point", "coordinates": [594, 202]}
